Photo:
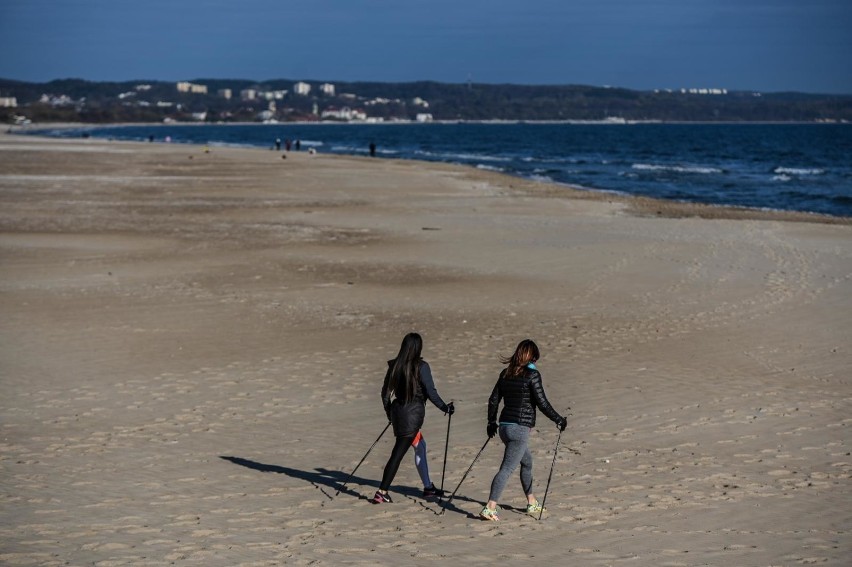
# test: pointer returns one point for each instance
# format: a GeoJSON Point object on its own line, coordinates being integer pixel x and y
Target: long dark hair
{"type": "Point", "coordinates": [405, 371]}
{"type": "Point", "coordinates": [526, 352]}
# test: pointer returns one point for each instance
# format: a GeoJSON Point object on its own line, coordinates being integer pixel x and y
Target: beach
{"type": "Point", "coordinates": [194, 341]}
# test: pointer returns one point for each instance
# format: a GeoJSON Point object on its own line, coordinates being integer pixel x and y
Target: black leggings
{"type": "Point", "coordinates": [400, 448]}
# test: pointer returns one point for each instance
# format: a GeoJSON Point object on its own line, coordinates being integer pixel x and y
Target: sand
{"type": "Point", "coordinates": [192, 346]}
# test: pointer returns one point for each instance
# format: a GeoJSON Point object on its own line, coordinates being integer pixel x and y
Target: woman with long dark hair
{"type": "Point", "coordinates": [408, 383]}
{"type": "Point", "coordinates": [521, 390]}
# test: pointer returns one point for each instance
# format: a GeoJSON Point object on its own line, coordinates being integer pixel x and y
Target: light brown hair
{"type": "Point", "coordinates": [526, 352]}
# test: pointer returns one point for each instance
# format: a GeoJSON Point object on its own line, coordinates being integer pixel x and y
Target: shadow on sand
{"type": "Point", "coordinates": [330, 482]}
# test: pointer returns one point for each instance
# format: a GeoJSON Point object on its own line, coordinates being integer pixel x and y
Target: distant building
{"type": "Point", "coordinates": [417, 101]}
{"type": "Point", "coordinates": [382, 100]}
{"type": "Point", "coordinates": [301, 88]}
{"type": "Point", "coordinates": [424, 117]}
{"type": "Point", "coordinates": [200, 116]}
{"type": "Point", "coordinates": [704, 91]}
{"type": "Point", "coordinates": [225, 93]}
{"type": "Point", "coordinates": [271, 95]}
{"type": "Point", "coordinates": [344, 113]}
{"type": "Point", "coordinates": [248, 94]}
{"type": "Point", "coordinates": [8, 101]}
{"type": "Point", "coordinates": [143, 87]}
{"type": "Point", "coordinates": [56, 100]}
{"type": "Point", "coordinates": [327, 89]}
{"type": "Point", "coordinates": [187, 87]}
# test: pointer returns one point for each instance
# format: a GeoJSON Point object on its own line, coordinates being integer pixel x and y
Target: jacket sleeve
{"type": "Point", "coordinates": [429, 386]}
{"type": "Point", "coordinates": [386, 394]}
{"type": "Point", "coordinates": [540, 399]}
{"type": "Point", "coordinates": [494, 403]}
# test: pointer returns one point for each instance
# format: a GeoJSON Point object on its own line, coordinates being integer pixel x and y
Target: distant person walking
{"type": "Point", "coordinates": [287, 144]}
{"type": "Point", "coordinates": [408, 383]}
{"type": "Point", "coordinates": [277, 144]}
{"type": "Point", "coordinates": [520, 388]}
{"type": "Point", "coordinates": [298, 145]}
{"type": "Point", "coordinates": [372, 149]}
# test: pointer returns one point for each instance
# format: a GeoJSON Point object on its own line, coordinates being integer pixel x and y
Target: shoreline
{"type": "Point", "coordinates": [640, 205]}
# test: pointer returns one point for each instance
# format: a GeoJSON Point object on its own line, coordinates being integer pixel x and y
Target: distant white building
{"type": "Point", "coordinates": [225, 93]}
{"type": "Point", "coordinates": [143, 87]}
{"type": "Point", "coordinates": [417, 101]}
{"type": "Point", "coordinates": [301, 88]}
{"type": "Point", "coordinates": [424, 117]}
{"type": "Point", "coordinates": [200, 116]}
{"type": "Point", "coordinates": [187, 87]}
{"type": "Point", "coordinates": [56, 100]}
{"type": "Point", "coordinates": [327, 89]}
{"type": "Point", "coordinates": [272, 95]}
{"type": "Point", "coordinates": [704, 91]}
{"type": "Point", "coordinates": [8, 102]}
{"type": "Point", "coordinates": [248, 94]}
{"type": "Point", "coordinates": [344, 113]}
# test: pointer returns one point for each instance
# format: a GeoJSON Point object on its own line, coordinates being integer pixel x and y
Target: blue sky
{"type": "Point", "coordinates": [764, 45]}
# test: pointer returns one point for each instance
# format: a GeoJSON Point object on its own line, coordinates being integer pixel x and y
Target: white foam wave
{"type": "Point", "coordinates": [676, 168]}
{"type": "Point", "coordinates": [798, 171]}
{"type": "Point", "coordinates": [781, 177]}
{"type": "Point", "coordinates": [542, 178]}
{"type": "Point", "coordinates": [489, 167]}
{"type": "Point", "coordinates": [462, 156]}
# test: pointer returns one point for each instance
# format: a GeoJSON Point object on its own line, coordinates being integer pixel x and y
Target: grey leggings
{"type": "Point", "coordinates": [515, 438]}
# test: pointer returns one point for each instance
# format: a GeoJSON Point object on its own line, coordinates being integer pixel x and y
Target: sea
{"type": "Point", "coordinates": [790, 167]}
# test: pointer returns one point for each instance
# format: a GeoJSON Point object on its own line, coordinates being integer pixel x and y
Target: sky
{"type": "Point", "coordinates": [759, 45]}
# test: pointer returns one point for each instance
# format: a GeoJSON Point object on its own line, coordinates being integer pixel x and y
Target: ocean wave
{"type": "Point", "coordinates": [677, 168]}
{"type": "Point", "coordinates": [359, 150]}
{"type": "Point", "coordinates": [798, 171]}
{"type": "Point", "coordinates": [489, 167]}
{"type": "Point", "coordinates": [542, 178]}
{"type": "Point", "coordinates": [781, 177]}
{"type": "Point", "coordinates": [460, 156]}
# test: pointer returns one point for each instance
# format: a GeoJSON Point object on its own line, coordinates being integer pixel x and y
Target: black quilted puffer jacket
{"type": "Point", "coordinates": [521, 396]}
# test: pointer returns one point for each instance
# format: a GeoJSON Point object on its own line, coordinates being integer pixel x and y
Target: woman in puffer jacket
{"type": "Point", "coordinates": [521, 390]}
{"type": "Point", "coordinates": [408, 383]}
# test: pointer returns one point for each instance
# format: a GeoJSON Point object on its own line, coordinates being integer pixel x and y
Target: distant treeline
{"type": "Point", "coordinates": [77, 100]}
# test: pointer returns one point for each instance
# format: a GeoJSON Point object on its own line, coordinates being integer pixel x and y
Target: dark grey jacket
{"type": "Point", "coordinates": [521, 395]}
{"type": "Point", "coordinates": [407, 419]}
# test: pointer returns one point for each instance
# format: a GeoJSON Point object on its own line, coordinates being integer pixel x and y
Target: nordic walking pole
{"type": "Point", "coordinates": [446, 448]}
{"type": "Point", "coordinates": [550, 476]}
{"type": "Point", "coordinates": [450, 499]}
{"type": "Point", "coordinates": [362, 460]}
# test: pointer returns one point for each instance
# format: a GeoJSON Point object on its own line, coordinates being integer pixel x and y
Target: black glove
{"type": "Point", "coordinates": [492, 429]}
{"type": "Point", "coordinates": [562, 423]}
{"type": "Point", "coordinates": [450, 409]}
